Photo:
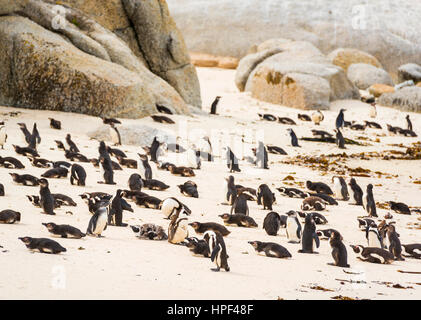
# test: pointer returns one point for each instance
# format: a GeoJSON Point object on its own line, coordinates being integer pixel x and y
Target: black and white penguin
{"type": "Point", "coordinates": [262, 156]}
{"type": "Point", "coordinates": [409, 123]}
{"type": "Point", "coordinates": [1, 190]}
{"type": "Point", "coordinates": [232, 160]}
{"type": "Point", "coordinates": [129, 163]}
{"type": "Point", "coordinates": [239, 220]}
{"type": "Point", "coordinates": [321, 134]}
{"type": "Point", "coordinates": [399, 207]}
{"type": "Point", "coordinates": [368, 202]}
{"type": "Point", "coordinates": [115, 135]}
{"type": "Point", "coordinates": [153, 150]}
{"type": "Point", "coordinates": [163, 109]}
{"type": "Point", "coordinates": [356, 192]}
{"type": "Point", "coordinates": [64, 230]}
{"type": "Point", "coordinates": [270, 249]}
{"type": "Point", "coordinates": [265, 194]}
{"type": "Point", "coordinates": [75, 156]}
{"type": "Point", "coordinates": [115, 211]}
{"type": "Point", "coordinates": [77, 175]}
{"type": "Point", "coordinates": [395, 246]}
{"type": "Point", "coordinates": [172, 206]}
{"type": "Point", "coordinates": [57, 173]}
{"type": "Point", "coordinates": [339, 253]}
{"type": "Point", "coordinates": [107, 172]}
{"type": "Point", "coordinates": [318, 187]}
{"type": "Point", "coordinates": [303, 117]}
{"type": "Point", "coordinates": [11, 163]}
{"type": "Point", "coordinates": [309, 237]}
{"type": "Point", "coordinates": [340, 188]}
{"type": "Point", "coordinates": [363, 224]}
{"type": "Point", "coordinates": [24, 179]}
{"type": "Point", "coordinates": [276, 150]}
{"type": "Point", "coordinates": [3, 136]}
{"type": "Point", "coordinates": [217, 249]}
{"type": "Point", "coordinates": [9, 216]}
{"type": "Point", "coordinates": [189, 189]}
{"type": "Point", "coordinates": [153, 184]}
{"type": "Point", "coordinates": [25, 132]}
{"type": "Point", "coordinates": [328, 199]}
{"type": "Point", "coordinates": [294, 139]}
{"type": "Point", "coordinates": [340, 119]}
{"type": "Point", "coordinates": [272, 223]}
{"type": "Point", "coordinates": [135, 182]}
{"type": "Point", "coordinates": [178, 229]}
{"type": "Point", "coordinates": [313, 203]}
{"type": "Point", "coordinates": [340, 140]}
{"type": "Point", "coordinates": [230, 190]}
{"type": "Point", "coordinates": [98, 222]}
{"type": "Point", "coordinates": [372, 124]}
{"type": "Point", "coordinates": [46, 199]}
{"type": "Point", "coordinates": [26, 151]}
{"type": "Point", "coordinates": [42, 245]}
{"type": "Point", "coordinates": [149, 202]}
{"type": "Point", "coordinates": [40, 162]}
{"type": "Point", "coordinates": [372, 254]}
{"type": "Point", "coordinates": [144, 167]}
{"type": "Point", "coordinates": [374, 238]}
{"type": "Point", "coordinates": [116, 152]}
{"type": "Point", "coordinates": [286, 120]}
{"type": "Point", "coordinates": [292, 192]}
{"type": "Point", "coordinates": [198, 247]}
{"type": "Point", "coordinates": [110, 121]}
{"type": "Point", "coordinates": [55, 124]}
{"type": "Point", "coordinates": [214, 105]}
{"type": "Point", "coordinates": [240, 204]}
{"type": "Point", "coordinates": [204, 147]}
{"type": "Point", "coordinates": [200, 227]}
{"type": "Point", "coordinates": [63, 200]}
{"type": "Point", "coordinates": [325, 234]}
{"type": "Point", "coordinates": [293, 227]}
{"type": "Point", "coordinates": [318, 218]}
{"type": "Point", "coordinates": [267, 117]}
{"type": "Point", "coordinates": [181, 171]}
{"type": "Point", "coordinates": [162, 119]}
{"type": "Point", "coordinates": [71, 144]}
{"type": "Point", "coordinates": [413, 250]}
{"type": "Point", "coordinates": [317, 117]}
{"type": "Point", "coordinates": [357, 126]}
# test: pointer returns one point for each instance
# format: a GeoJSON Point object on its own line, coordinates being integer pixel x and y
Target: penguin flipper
{"type": "Point", "coordinates": [316, 238]}
{"type": "Point", "coordinates": [215, 252]}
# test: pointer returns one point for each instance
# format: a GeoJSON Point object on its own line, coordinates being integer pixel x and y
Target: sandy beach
{"type": "Point", "coordinates": [120, 266]}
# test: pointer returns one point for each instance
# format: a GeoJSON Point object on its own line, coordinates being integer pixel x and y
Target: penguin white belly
{"type": "Point", "coordinates": [218, 259]}
{"type": "Point", "coordinates": [168, 206]}
{"type": "Point", "coordinates": [100, 224]}
{"type": "Point", "coordinates": [373, 241]}
{"type": "Point", "coordinates": [204, 146]}
{"type": "Point", "coordinates": [47, 250]}
{"type": "Point", "coordinates": [417, 251]}
{"type": "Point", "coordinates": [2, 137]}
{"type": "Point", "coordinates": [291, 230]}
{"type": "Point", "coordinates": [337, 189]}
{"type": "Point", "coordinates": [141, 168]}
{"type": "Point", "coordinates": [374, 255]}
{"type": "Point", "coordinates": [113, 135]}
{"type": "Point", "coordinates": [181, 233]}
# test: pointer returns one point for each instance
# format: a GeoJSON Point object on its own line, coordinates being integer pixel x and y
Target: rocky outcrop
{"type": "Point", "coordinates": [388, 30]}
{"type": "Point", "coordinates": [409, 71]}
{"type": "Point", "coordinates": [405, 99]}
{"type": "Point", "coordinates": [378, 89]}
{"type": "Point", "coordinates": [344, 57]}
{"type": "Point", "coordinates": [364, 75]}
{"type": "Point", "coordinates": [295, 74]}
{"type": "Point", "coordinates": [42, 70]}
{"type": "Point", "coordinates": [211, 61]}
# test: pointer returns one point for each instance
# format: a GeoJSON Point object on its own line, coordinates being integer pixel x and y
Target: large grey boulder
{"type": "Point", "coordinates": [409, 71]}
{"type": "Point", "coordinates": [364, 75]}
{"type": "Point", "coordinates": [405, 99]}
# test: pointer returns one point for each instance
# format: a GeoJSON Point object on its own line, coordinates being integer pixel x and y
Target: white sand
{"type": "Point", "coordinates": [120, 266]}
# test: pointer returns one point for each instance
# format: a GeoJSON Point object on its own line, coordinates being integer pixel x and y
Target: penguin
{"type": "Point", "coordinates": [356, 192]}
{"type": "Point", "coordinates": [74, 156]}
{"type": "Point", "coordinates": [42, 245]}
{"type": "Point", "coordinates": [63, 200]}
{"type": "Point", "coordinates": [177, 230]}
{"type": "Point", "coordinates": [25, 132]}
{"type": "Point", "coordinates": [71, 144]}
{"type": "Point", "coordinates": [340, 140]}
{"type": "Point", "coordinates": [409, 123]}
{"type": "Point", "coordinates": [368, 202]}
{"type": "Point", "coordinates": [217, 249]}
{"type": "Point", "coordinates": [319, 187]}
{"type": "Point", "coordinates": [271, 249]}
{"type": "Point", "coordinates": [313, 203]}
{"type": "Point", "coordinates": [214, 105]}
{"type": "Point", "coordinates": [303, 117]}
{"type": "Point", "coordinates": [317, 117]}
{"type": "Point", "coordinates": [272, 223]}
{"type": "Point", "coordinates": [149, 202]}
{"type": "Point", "coordinates": [128, 194]}
{"type": "Point", "coordinates": [181, 171]}
{"type": "Point", "coordinates": [64, 230]}
{"type": "Point", "coordinates": [322, 134]}
{"type": "Point", "coordinates": [363, 224]}
{"type": "Point", "coordinates": [115, 212]}
{"type": "Point", "coordinates": [3, 136]}
{"type": "Point", "coordinates": [198, 247]}
{"type": "Point", "coordinates": [267, 117]}
{"type": "Point", "coordinates": [372, 124]}
{"type": "Point", "coordinates": [325, 234]}
{"type": "Point", "coordinates": [407, 133]}
{"type": "Point", "coordinates": [115, 135]}
{"type": "Point", "coordinates": [294, 139]}
{"type": "Point", "coordinates": [292, 192]}
{"type": "Point", "coordinates": [395, 246]}
{"type": "Point", "coordinates": [193, 158]}
{"type": "Point", "coordinates": [230, 190]}
{"type": "Point", "coordinates": [9, 216]}
{"type": "Point", "coordinates": [98, 222]}
{"type": "Point", "coordinates": [318, 218]}
{"type": "Point", "coordinates": [116, 152]}
{"type": "Point", "coordinates": [154, 149]}
{"type": "Point", "coordinates": [46, 200]}
{"type": "Point", "coordinates": [262, 156]}
{"type": "Point", "coordinates": [162, 119]}
{"type": "Point", "coordinates": [200, 228]}
{"type": "Point", "coordinates": [373, 255]}
{"type": "Point", "coordinates": [107, 171]}
{"type": "Point", "coordinates": [144, 166]}
{"type": "Point", "coordinates": [240, 204]}
{"type": "Point", "coordinates": [149, 231]}
{"type": "Point", "coordinates": [414, 250]}
{"type": "Point", "coordinates": [340, 119]}
{"type": "Point", "coordinates": [239, 220]}
{"type": "Point", "coordinates": [399, 207]}
{"type": "Point", "coordinates": [77, 175]}
{"type": "Point", "coordinates": [129, 163]}
{"type": "Point", "coordinates": [135, 182]}
{"type": "Point", "coordinates": [26, 151]}
{"type": "Point", "coordinates": [60, 145]}
{"type": "Point", "coordinates": [55, 124]}
{"type": "Point", "coordinates": [25, 179]}
{"type": "Point", "coordinates": [232, 161]}
{"type": "Point", "coordinates": [392, 129]}
{"type": "Point", "coordinates": [357, 126]}
{"type": "Point", "coordinates": [293, 227]}
{"type": "Point", "coordinates": [265, 194]}
{"type": "Point", "coordinates": [40, 163]}
{"type": "Point", "coordinates": [11, 163]}
{"type": "Point", "coordinates": [189, 189]}
{"type": "Point", "coordinates": [339, 253]}
{"type": "Point", "coordinates": [309, 236]}
{"type": "Point", "coordinates": [163, 109]}
{"type": "Point", "coordinates": [56, 173]}
{"type": "Point", "coordinates": [172, 206]}
{"type": "Point", "coordinates": [276, 150]}
{"type": "Point", "coordinates": [328, 199]}
{"type": "Point", "coordinates": [285, 120]}
{"type": "Point", "coordinates": [373, 236]}
{"type": "Point", "coordinates": [340, 187]}
{"type": "Point", "coordinates": [1, 190]}
{"type": "Point", "coordinates": [205, 148]}
{"type": "Point", "coordinates": [153, 184]}
{"type": "Point", "coordinates": [373, 110]}
{"type": "Point", "coordinates": [110, 121]}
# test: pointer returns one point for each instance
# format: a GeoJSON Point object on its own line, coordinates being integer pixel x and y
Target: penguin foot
{"type": "Point", "coordinates": [215, 269]}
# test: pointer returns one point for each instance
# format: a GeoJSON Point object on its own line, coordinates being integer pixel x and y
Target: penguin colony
{"type": "Point", "coordinates": [380, 240]}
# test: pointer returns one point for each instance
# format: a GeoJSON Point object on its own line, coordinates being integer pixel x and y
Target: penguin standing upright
{"type": "Point", "coordinates": [115, 213]}
{"type": "Point", "coordinates": [373, 236]}
{"type": "Point", "coordinates": [339, 253]}
{"type": "Point", "coordinates": [232, 161]}
{"type": "Point", "coordinates": [373, 110]}
{"type": "Point", "coordinates": [356, 192]}
{"type": "Point", "coordinates": [294, 139]}
{"type": "Point", "coordinates": [115, 135]}
{"type": "Point", "coordinates": [144, 166]}
{"type": "Point", "coordinates": [25, 132]}
{"type": "Point", "coordinates": [154, 149]}
{"type": "Point", "coordinates": [71, 144]}
{"type": "Point", "coordinates": [272, 223]}
{"type": "Point", "coordinates": [309, 236]}
{"type": "Point", "coordinates": [3, 136]}
{"type": "Point", "coordinates": [178, 228]}
{"type": "Point", "coordinates": [340, 188]}
{"type": "Point", "coordinates": [46, 199]}
{"type": "Point", "coordinates": [261, 156]}
{"type": "Point", "coordinates": [368, 202]}
{"type": "Point", "coordinates": [409, 127]}
{"type": "Point", "coordinates": [98, 222]}
{"type": "Point", "coordinates": [240, 205]}
{"type": "Point", "coordinates": [340, 119]}
{"type": "Point", "coordinates": [214, 105]}
{"type": "Point", "coordinates": [395, 246]}
{"type": "Point", "coordinates": [340, 140]}
{"type": "Point", "coordinates": [264, 193]}
{"type": "Point", "coordinates": [135, 182]}
{"type": "Point", "coordinates": [205, 148]}
{"type": "Point", "coordinates": [217, 249]}
{"type": "Point", "coordinates": [107, 172]}
{"type": "Point", "coordinates": [78, 175]}
{"type": "Point", "coordinates": [293, 227]}
{"type": "Point", "coordinates": [317, 117]}
{"type": "Point", "coordinates": [35, 133]}
{"type": "Point", "coordinates": [230, 190]}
